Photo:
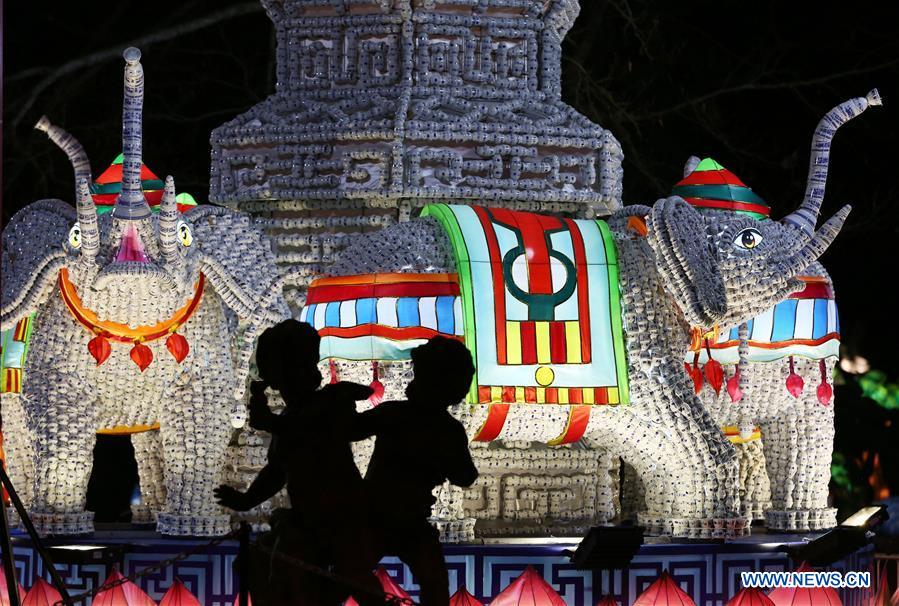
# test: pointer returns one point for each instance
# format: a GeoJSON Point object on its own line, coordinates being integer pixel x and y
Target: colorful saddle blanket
{"type": "Point", "coordinates": [13, 349]}
{"type": "Point", "coordinates": [804, 324]}
{"type": "Point", "coordinates": [382, 316]}
{"type": "Point", "coordinates": [534, 297]}
{"type": "Point", "coordinates": [540, 305]}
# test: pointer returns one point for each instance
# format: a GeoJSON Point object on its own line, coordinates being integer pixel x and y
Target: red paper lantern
{"type": "Point", "coordinates": [41, 593]}
{"type": "Point", "coordinates": [126, 594]}
{"type": "Point", "coordinates": [796, 596]}
{"type": "Point", "coordinates": [179, 595]}
{"type": "Point", "coordinates": [750, 596]}
{"type": "Point", "coordinates": [387, 584]}
{"type": "Point", "coordinates": [607, 600]}
{"type": "Point", "coordinates": [4, 591]}
{"type": "Point", "coordinates": [463, 598]}
{"type": "Point", "coordinates": [236, 601]}
{"type": "Point", "coordinates": [529, 589]}
{"type": "Point", "coordinates": [664, 591]}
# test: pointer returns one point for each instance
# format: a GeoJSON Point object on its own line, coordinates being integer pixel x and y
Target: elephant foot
{"type": "Point", "coordinates": [801, 519]}
{"type": "Point", "coordinates": [193, 526]}
{"type": "Point", "coordinates": [55, 524]}
{"type": "Point", "coordinates": [754, 510]}
{"type": "Point", "coordinates": [456, 531]}
{"type": "Point", "coordinates": [694, 528]}
{"type": "Point", "coordinates": [711, 528]}
{"type": "Point", "coordinates": [142, 514]}
{"type": "Point", "coordinates": [654, 524]}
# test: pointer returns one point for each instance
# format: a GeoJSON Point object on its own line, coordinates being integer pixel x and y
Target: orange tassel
{"type": "Point", "coordinates": [141, 355]}
{"type": "Point", "coordinates": [177, 346]}
{"type": "Point", "coordinates": [99, 348]}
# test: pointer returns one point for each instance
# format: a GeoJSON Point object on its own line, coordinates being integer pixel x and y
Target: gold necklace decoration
{"type": "Point", "coordinates": [106, 330]}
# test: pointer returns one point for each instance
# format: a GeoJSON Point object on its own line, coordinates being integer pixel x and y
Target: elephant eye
{"type": "Point", "coordinates": [184, 234]}
{"type": "Point", "coordinates": [748, 238]}
{"type": "Point", "coordinates": [75, 236]}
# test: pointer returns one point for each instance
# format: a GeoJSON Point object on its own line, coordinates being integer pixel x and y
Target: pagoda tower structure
{"type": "Point", "coordinates": [383, 106]}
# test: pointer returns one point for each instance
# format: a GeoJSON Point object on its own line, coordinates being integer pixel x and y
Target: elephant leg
{"type": "Point", "coordinates": [651, 455]}
{"type": "Point", "coordinates": [798, 441]}
{"type": "Point", "coordinates": [150, 465]}
{"type": "Point", "coordinates": [195, 429]}
{"type": "Point", "coordinates": [686, 491]}
{"type": "Point", "coordinates": [63, 427]}
{"type": "Point", "coordinates": [755, 488]}
{"type": "Point", "coordinates": [18, 446]}
{"type": "Point", "coordinates": [632, 493]}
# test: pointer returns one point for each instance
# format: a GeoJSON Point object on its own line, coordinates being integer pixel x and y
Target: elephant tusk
{"type": "Point", "coordinates": [819, 242]}
{"type": "Point", "coordinates": [168, 224]}
{"type": "Point", "coordinates": [87, 221]}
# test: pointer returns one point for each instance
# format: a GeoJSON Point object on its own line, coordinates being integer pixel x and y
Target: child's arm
{"type": "Point", "coordinates": [371, 422]}
{"type": "Point", "coordinates": [268, 482]}
{"type": "Point", "coordinates": [261, 416]}
{"type": "Point", "coordinates": [460, 468]}
{"type": "Point", "coordinates": [343, 394]}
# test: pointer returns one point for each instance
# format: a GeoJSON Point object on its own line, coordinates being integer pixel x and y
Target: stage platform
{"type": "Point", "coordinates": [710, 572]}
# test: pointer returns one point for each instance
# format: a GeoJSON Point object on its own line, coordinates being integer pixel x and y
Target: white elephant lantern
{"type": "Point", "coordinates": [580, 330]}
{"type": "Point", "coordinates": [144, 320]}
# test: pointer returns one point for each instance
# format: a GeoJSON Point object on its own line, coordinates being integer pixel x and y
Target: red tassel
{"type": "Point", "coordinates": [696, 374]}
{"type": "Point", "coordinates": [714, 374]}
{"type": "Point", "coordinates": [377, 387]}
{"type": "Point", "coordinates": [177, 346]}
{"type": "Point", "coordinates": [99, 348]}
{"type": "Point", "coordinates": [333, 368]}
{"type": "Point", "coordinates": [141, 355]}
{"type": "Point", "coordinates": [795, 383]}
{"type": "Point", "coordinates": [733, 386]}
{"type": "Point", "coordinates": [825, 391]}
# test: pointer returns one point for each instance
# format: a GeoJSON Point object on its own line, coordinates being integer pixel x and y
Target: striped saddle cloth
{"type": "Point", "coordinates": [804, 324]}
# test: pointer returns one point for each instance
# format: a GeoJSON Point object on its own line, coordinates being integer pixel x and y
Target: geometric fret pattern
{"type": "Point", "coordinates": [710, 573]}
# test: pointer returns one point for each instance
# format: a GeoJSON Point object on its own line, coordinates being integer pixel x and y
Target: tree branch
{"type": "Point", "coordinates": [114, 52]}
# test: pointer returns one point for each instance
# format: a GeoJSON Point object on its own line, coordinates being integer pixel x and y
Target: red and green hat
{"type": "Point", "coordinates": [106, 189]}
{"type": "Point", "coordinates": [710, 185]}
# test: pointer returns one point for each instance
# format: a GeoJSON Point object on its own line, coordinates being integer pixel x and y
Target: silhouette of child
{"type": "Point", "coordinates": [419, 445]}
{"type": "Point", "coordinates": [310, 451]}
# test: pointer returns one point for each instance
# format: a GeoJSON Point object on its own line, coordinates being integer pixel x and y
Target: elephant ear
{"type": "Point", "coordinates": [236, 258]}
{"type": "Point", "coordinates": [33, 254]}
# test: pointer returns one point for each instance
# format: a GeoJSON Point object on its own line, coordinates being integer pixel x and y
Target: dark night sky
{"type": "Point", "coordinates": [745, 86]}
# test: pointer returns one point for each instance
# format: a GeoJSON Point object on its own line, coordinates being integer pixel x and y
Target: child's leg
{"type": "Point", "coordinates": [419, 547]}
{"type": "Point", "coordinates": [354, 557]}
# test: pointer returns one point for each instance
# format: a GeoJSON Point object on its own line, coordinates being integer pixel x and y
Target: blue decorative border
{"type": "Point", "coordinates": [709, 572]}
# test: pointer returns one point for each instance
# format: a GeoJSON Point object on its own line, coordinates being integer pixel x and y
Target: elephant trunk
{"type": "Point", "coordinates": [168, 222]}
{"type": "Point", "coordinates": [806, 216]}
{"type": "Point", "coordinates": [87, 221]}
{"type": "Point", "coordinates": [72, 148]}
{"type": "Point", "coordinates": [131, 203]}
